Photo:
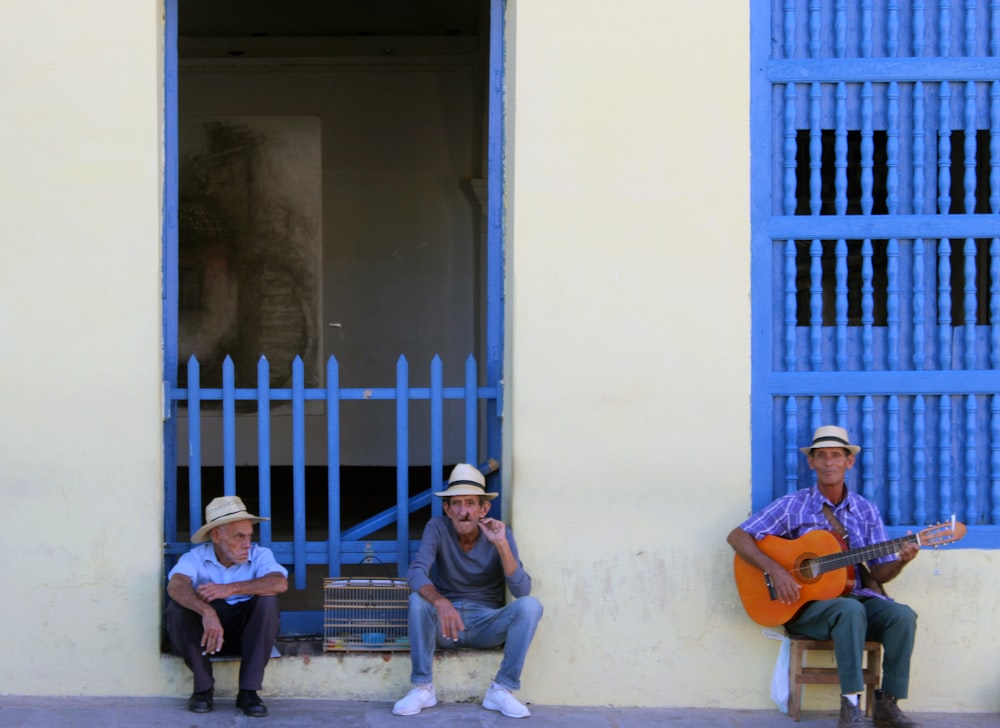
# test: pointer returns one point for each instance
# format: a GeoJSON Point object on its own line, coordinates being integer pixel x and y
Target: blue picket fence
{"type": "Point", "coordinates": [340, 546]}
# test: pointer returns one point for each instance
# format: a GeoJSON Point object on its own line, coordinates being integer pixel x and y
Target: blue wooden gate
{"type": "Point", "coordinates": [481, 393]}
{"type": "Point", "coordinates": [876, 250]}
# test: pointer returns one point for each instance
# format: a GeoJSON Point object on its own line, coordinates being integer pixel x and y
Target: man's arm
{"type": "Point", "coordinates": [449, 620]}
{"type": "Point", "coordinates": [502, 538]}
{"type": "Point", "coordinates": [496, 533]}
{"type": "Point", "coordinates": [746, 546]}
{"type": "Point", "coordinates": [263, 586]}
{"type": "Point", "coordinates": [889, 570]}
{"type": "Point", "coordinates": [181, 589]}
{"type": "Point", "coordinates": [418, 576]}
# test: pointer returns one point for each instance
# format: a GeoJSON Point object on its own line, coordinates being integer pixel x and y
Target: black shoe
{"type": "Point", "coordinates": [201, 702]}
{"type": "Point", "coordinates": [850, 714]}
{"type": "Point", "coordinates": [888, 715]}
{"type": "Point", "coordinates": [250, 703]}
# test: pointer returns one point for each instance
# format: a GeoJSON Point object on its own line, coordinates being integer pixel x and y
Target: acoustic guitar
{"type": "Point", "coordinates": [822, 565]}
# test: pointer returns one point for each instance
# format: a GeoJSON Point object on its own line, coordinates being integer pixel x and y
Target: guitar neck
{"type": "Point", "coordinates": [862, 553]}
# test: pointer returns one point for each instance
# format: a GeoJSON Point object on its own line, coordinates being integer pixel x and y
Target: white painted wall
{"type": "Point", "coordinates": [628, 167]}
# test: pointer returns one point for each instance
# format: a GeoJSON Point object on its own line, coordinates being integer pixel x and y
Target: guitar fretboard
{"type": "Point", "coordinates": [850, 557]}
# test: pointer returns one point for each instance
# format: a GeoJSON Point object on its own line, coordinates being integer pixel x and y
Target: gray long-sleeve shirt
{"type": "Point", "coordinates": [477, 575]}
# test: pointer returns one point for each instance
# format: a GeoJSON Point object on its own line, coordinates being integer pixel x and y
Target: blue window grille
{"type": "Point", "coordinates": [876, 251]}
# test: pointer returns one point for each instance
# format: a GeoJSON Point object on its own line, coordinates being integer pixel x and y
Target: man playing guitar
{"type": "Point", "coordinates": [863, 613]}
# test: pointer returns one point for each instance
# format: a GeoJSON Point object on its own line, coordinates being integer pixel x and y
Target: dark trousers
{"type": "Point", "coordinates": [250, 629]}
{"type": "Point", "coordinates": [849, 622]}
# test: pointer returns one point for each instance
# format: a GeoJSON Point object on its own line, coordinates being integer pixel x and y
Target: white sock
{"type": "Point", "coordinates": [853, 697]}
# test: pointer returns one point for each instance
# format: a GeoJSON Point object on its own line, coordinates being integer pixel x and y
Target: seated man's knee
{"type": "Point", "coordinates": [269, 603]}
{"type": "Point", "coordinates": [529, 608]}
{"type": "Point", "coordinates": [906, 616]}
{"type": "Point", "coordinates": [420, 608]}
{"type": "Point", "coordinates": [175, 616]}
{"type": "Point", "coordinates": [851, 610]}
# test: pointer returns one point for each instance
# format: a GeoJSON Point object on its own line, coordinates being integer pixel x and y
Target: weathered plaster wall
{"type": "Point", "coordinates": [80, 358]}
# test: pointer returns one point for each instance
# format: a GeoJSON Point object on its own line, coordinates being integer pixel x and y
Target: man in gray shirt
{"type": "Point", "coordinates": [474, 559]}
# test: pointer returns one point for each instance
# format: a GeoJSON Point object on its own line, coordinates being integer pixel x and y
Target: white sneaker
{"type": "Point", "coordinates": [500, 698]}
{"type": "Point", "coordinates": [420, 697]}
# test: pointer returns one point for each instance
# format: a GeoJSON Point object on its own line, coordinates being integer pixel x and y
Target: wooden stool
{"type": "Point", "coordinates": [799, 675]}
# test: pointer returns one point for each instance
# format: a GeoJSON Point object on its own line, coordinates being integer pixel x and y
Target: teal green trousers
{"type": "Point", "coordinates": [849, 622]}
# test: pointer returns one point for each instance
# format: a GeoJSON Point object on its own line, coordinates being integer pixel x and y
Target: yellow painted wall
{"type": "Point", "coordinates": [627, 201]}
{"type": "Point", "coordinates": [80, 357]}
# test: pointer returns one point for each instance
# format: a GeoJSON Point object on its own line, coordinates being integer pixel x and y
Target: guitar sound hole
{"type": "Point", "coordinates": [806, 568]}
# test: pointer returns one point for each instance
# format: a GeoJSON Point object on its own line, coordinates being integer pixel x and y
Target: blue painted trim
{"type": "Point", "coordinates": [402, 464]}
{"type": "Point", "coordinates": [857, 70]}
{"type": "Point", "coordinates": [264, 447]}
{"type": "Point", "coordinates": [194, 445]}
{"type": "Point", "coordinates": [299, 470]}
{"type": "Point", "coordinates": [882, 382]}
{"type": "Point", "coordinates": [832, 227]}
{"type": "Point", "coordinates": [333, 465]}
{"type": "Point", "coordinates": [471, 411]}
{"type": "Point", "coordinates": [228, 427]}
{"type": "Point", "coordinates": [301, 623]}
{"type": "Point", "coordinates": [437, 431]}
{"type": "Point", "coordinates": [358, 552]}
{"type": "Point", "coordinates": [318, 394]}
{"type": "Point", "coordinates": [761, 351]}
{"type": "Point", "coordinates": [496, 143]}
{"type": "Point", "coordinates": [169, 273]}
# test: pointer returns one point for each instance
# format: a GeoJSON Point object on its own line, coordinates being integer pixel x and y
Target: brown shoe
{"type": "Point", "coordinates": [888, 715]}
{"type": "Point", "coordinates": [850, 714]}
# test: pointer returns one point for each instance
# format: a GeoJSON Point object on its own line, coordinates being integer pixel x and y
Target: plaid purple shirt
{"type": "Point", "coordinates": [802, 511]}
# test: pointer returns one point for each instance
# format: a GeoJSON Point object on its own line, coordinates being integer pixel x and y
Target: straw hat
{"type": "Point", "coordinates": [223, 510]}
{"type": "Point", "coordinates": [831, 436]}
{"type": "Point", "coordinates": [466, 479]}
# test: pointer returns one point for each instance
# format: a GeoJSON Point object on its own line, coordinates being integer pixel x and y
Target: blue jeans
{"type": "Point", "coordinates": [512, 625]}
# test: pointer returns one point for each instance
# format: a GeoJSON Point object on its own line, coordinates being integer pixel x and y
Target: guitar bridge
{"type": "Point", "coordinates": [770, 586]}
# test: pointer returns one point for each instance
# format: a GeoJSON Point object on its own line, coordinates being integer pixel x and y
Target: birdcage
{"type": "Point", "coordinates": [365, 615]}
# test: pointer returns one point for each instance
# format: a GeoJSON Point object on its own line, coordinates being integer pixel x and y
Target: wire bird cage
{"type": "Point", "coordinates": [365, 615]}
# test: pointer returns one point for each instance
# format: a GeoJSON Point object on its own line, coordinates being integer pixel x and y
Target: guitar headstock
{"type": "Point", "coordinates": [941, 533]}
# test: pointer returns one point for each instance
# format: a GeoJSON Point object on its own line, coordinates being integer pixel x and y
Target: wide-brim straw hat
{"type": "Point", "coordinates": [222, 510]}
{"type": "Point", "coordinates": [466, 479]}
{"type": "Point", "coordinates": [831, 436]}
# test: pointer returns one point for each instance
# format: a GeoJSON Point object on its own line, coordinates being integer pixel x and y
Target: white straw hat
{"type": "Point", "coordinates": [223, 510]}
{"type": "Point", "coordinates": [831, 436]}
{"type": "Point", "coordinates": [466, 479]}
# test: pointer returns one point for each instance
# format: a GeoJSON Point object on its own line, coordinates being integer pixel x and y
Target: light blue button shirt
{"type": "Point", "coordinates": [202, 567]}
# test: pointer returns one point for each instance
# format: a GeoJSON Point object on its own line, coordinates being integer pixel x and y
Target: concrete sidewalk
{"type": "Point", "coordinates": [47, 712]}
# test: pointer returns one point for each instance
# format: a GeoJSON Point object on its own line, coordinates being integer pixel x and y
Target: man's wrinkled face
{"type": "Point", "coordinates": [232, 542]}
{"type": "Point", "coordinates": [831, 464]}
{"type": "Point", "coordinates": [465, 512]}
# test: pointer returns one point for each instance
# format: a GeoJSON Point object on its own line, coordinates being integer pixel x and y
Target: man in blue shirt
{"type": "Point", "coordinates": [223, 600]}
{"type": "Point", "coordinates": [864, 613]}
{"type": "Point", "coordinates": [474, 560]}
